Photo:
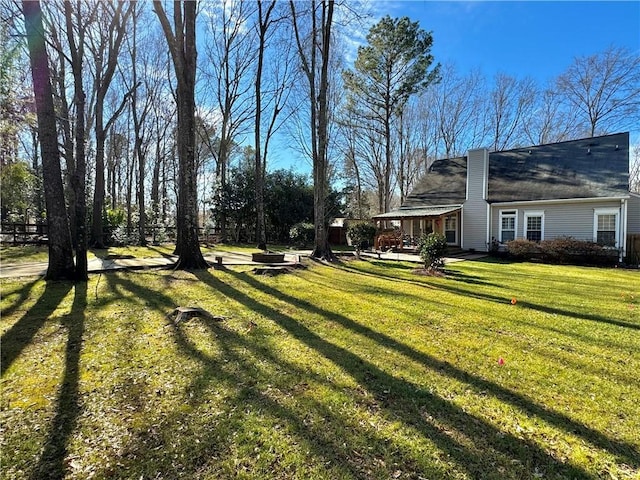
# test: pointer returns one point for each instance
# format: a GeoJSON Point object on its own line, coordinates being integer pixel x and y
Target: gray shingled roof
{"type": "Point", "coordinates": [586, 168]}
{"type": "Point", "coordinates": [591, 167]}
{"type": "Point", "coordinates": [444, 184]}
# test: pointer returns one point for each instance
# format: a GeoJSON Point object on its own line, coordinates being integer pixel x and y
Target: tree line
{"type": "Point", "coordinates": [155, 107]}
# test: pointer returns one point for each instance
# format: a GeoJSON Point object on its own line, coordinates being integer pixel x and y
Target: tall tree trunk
{"type": "Point", "coordinates": [137, 131]}
{"type": "Point", "coordinates": [78, 174]}
{"type": "Point", "coordinates": [320, 171]}
{"type": "Point", "coordinates": [318, 97]}
{"type": "Point", "coordinates": [104, 76]}
{"type": "Point", "coordinates": [61, 266]}
{"type": "Point", "coordinates": [387, 159]}
{"type": "Point", "coordinates": [155, 183]}
{"type": "Point", "coordinates": [260, 167]}
{"type": "Point", "coordinates": [37, 168]}
{"type": "Point", "coordinates": [182, 46]}
{"type": "Point", "coordinates": [97, 231]}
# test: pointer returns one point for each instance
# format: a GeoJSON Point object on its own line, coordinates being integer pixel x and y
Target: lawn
{"type": "Point", "coordinates": [362, 370]}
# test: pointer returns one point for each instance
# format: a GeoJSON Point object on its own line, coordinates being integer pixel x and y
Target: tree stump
{"type": "Point", "coordinates": [185, 313]}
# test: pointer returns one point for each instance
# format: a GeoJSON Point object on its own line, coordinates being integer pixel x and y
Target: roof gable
{"type": "Point", "coordinates": [444, 184]}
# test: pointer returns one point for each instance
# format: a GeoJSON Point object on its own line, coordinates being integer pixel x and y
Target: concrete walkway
{"type": "Point", "coordinates": [99, 265]}
{"type": "Point", "coordinates": [410, 257]}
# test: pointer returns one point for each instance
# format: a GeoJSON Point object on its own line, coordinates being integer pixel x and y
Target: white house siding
{"type": "Point", "coordinates": [633, 215]}
{"type": "Point", "coordinates": [474, 209]}
{"type": "Point", "coordinates": [560, 219]}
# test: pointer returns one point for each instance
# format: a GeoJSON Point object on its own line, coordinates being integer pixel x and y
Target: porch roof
{"type": "Point", "coordinates": [435, 211]}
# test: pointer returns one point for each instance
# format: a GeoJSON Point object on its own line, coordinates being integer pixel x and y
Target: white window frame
{"type": "Point", "coordinates": [510, 213]}
{"type": "Point", "coordinates": [534, 213]}
{"type": "Point", "coordinates": [606, 211]}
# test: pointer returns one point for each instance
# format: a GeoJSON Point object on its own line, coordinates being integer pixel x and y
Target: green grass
{"type": "Point", "coordinates": [363, 370]}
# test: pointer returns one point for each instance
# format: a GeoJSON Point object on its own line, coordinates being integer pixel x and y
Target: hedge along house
{"type": "Point", "coordinates": [578, 188]}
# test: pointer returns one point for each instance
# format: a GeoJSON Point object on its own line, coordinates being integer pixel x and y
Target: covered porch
{"type": "Point", "coordinates": [403, 228]}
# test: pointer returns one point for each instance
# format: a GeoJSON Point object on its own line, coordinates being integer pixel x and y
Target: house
{"type": "Point", "coordinates": [578, 188]}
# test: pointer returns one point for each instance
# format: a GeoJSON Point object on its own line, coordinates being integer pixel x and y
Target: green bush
{"type": "Point", "coordinates": [302, 234]}
{"type": "Point", "coordinates": [523, 249]}
{"type": "Point", "coordinates": [563, 250]}
{"type": "Point", "coordinates": [432, 248]}
{"type": "Point", "coordinates": [361, 234]}
{"type": "Point", "coordinates": [113, 222]}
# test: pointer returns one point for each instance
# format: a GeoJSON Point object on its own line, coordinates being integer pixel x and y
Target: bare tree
{"type": "Point", "coordinates": [458, 104]}
{"type": "Point", "coordinates": [273, 86]}
{"type": "Point", "coordinates": [264, 21]}
{"type": "Point", "coordinates": [314, 52]}
{"type": "Point", "coordinates": [413, 157]}
{"type": "Point", "coordinates": [365, 154]}
{"type": "Point", "coordinates": [142, 98]}
{"type": "Point", "coordinates": [605, 88]}
{"type": "Point", "coordinates": [79, 172]}
{"type": "Point", "coordinates": [61, 264]}
{"type": "Point", "coordinates": [105, 46]}
{"type": "Point", "coordinates": [551, 120]}
{"type": "Point", "coordinates": [231, 57]}
{"type": "Point", "coordinates": [510, 101]}
{"type": "Point", "coordinates": [181, 40]}
{"type": "Point", "coordinates": [634, 171]}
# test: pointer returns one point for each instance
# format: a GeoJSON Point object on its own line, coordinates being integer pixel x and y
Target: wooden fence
{"type": "Point", "coordinates": [36, 234]}
{"type": "Point", "coordinates": [23, 233]}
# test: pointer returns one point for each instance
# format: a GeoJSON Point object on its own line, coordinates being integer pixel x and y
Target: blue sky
{"type": "Point", "coordinates": [536, 38]}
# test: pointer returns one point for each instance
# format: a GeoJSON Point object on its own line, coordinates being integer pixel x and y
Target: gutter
{"type": "Point", "coordinates": [561, 200]}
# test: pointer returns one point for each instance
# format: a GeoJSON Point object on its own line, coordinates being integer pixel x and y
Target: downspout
{"type": "Point", "coordinates": [489, 220]}
{"type": "Point", "coordinates": [462, 227]}
{"type": "Point", "coordinates": [623, 228]}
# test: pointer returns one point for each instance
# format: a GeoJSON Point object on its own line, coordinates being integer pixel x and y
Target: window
{"type": "Point", "coordinates": [605, 226]}
{"type": "Point", "coordinates": [534, 226]}
{"type": "Point", "coordinates": [451, 228]}
{"type": "Point", "coordinates": [508, 222]}
{"type": "Point", "coordinates": [416, 229]}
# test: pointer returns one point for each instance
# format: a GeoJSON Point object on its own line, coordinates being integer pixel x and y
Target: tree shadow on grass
{"type": "Point", "coordinates": [23, 294]}
{"type": "Point", "coordinates": [540, 308]}
{"type": "Point", "coordinates": [485, 433]}
{"type": "Point", "coordinates": [458, 290]}
{"type": "Point", "coordinates": [234, 367]}
{"type": "Point", "coordinates": [425, 411]}
{"type": "Point", "coordinates": [21, 333]}
{"type": "Point", "coordinates": [52, 462]}
{"type": "Point", "coordinates": [317, 437]}
{"type": "Point", "coordinates": [465, 278]}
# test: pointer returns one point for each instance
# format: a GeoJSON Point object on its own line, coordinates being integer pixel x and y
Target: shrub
{"type": "Point", "coordinates": [302, 234]}
{"type": "Point", "coordinates": [432, 248]}
{"type": "Point", "coordinates": [361, 234]}
{"type": "Point", "coordinates": [113, 221]}
{"type": "Point", "coordinates": [522, 249]}
{"type": "Point", "coordinates": [563, 250]}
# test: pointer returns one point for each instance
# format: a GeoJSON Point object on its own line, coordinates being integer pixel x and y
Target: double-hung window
{"type": "Point", "coordinates": [508, 224]}
{"type": "Point", "coordinates": [534, 226]}
{"type": "Point", "coordinates": [451, 228]}
{"type": "Point", "coordinates": [605, 226]}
